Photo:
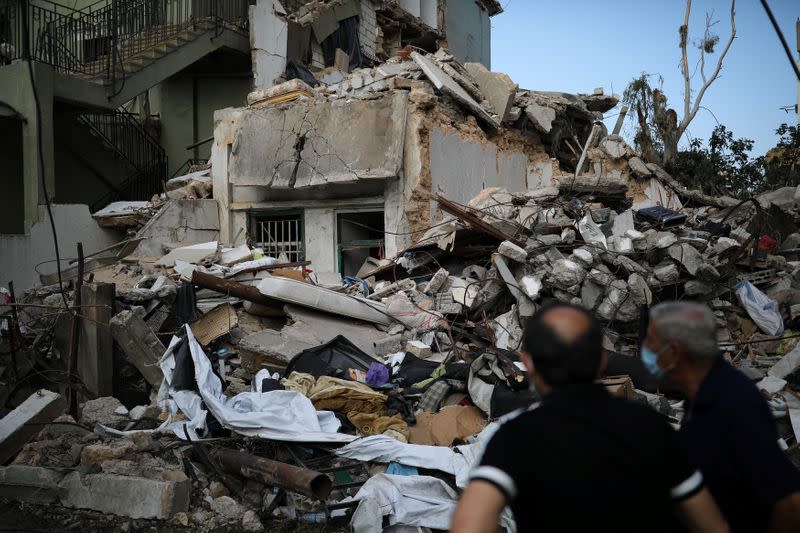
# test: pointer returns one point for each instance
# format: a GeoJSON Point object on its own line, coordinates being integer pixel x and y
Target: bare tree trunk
{"type": "Point", "coordinates": [690, 108]}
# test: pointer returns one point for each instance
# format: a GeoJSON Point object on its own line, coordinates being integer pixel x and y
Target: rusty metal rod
{"type": "Point", "coordinates": [232, 288]}
{"type": "Point", "coordinates": [301, 480]}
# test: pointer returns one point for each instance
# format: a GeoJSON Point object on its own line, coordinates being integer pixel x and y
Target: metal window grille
{"type": "Point", "coordinates": [276, 235]}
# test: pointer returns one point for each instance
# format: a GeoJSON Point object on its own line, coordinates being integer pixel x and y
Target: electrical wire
{"type": "Point", "coordinates": [781, 37]}
{"type": "Point", "coordinates": [38, 109]}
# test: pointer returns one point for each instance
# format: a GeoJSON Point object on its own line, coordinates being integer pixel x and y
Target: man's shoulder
{"type": "Point", "coordinates": [735, 391]}
{"type": "Point", "coordinates": [636, 413]}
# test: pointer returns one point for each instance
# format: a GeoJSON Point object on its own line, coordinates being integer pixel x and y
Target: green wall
{"type": "Point", "coordinates": [174, 101]}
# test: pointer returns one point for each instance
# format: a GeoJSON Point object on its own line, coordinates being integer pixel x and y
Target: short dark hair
{"type": "Point", "coordinates": [559, 362]}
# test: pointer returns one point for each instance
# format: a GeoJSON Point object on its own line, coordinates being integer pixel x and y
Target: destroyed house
{"type": "Point", "coordinates": [127, 91]}
{"type": "Point", "coordinates": [348, 169]}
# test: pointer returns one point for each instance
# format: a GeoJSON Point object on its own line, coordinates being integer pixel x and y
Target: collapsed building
{"type": "Point", "coordinates": [106, 100]}
{"type": "Point", "coordinates": [359, 160]}
{"type": "Point", "coordinates": [323, 323]}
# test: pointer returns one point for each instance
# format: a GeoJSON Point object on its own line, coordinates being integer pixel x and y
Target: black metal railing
{"type": "Point", "coordinates": [100, 39]}
{"type": "Point", "coordinates": [189, 166]}
{"type": "Point", "coordinates": [121, 132]}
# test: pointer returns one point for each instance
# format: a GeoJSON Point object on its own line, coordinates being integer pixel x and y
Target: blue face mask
{"type": "Point", "coordinates": [650, 362]}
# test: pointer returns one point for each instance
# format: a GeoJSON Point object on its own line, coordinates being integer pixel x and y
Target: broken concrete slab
{"type": "Point", "coordinates": [512, 251]}
{"type": "Point", "coordinates": [193, 253]}
{"type": "Point", "coordinates": [583, 256]}
{"type": "Point", "coordinates": [660, 240]}
{"type": "Point", "coordinates": [107, 410]}
{"type": "Point", "coordinates": [498, 88]}
{"type": "Point", "coordinates": [21, 424]}
{"type": "Point", "coordinates": [170, 225]}
{"type": "Point", "coordinates": [787, 364]}
{"type": "Point", "coordinates": [140, 344]}
{"type": "Point", "coordinates": [541, 117]}
{"type": "Point", "coordinates": [686, 255]}
{"type": "Point", "coordinates": [312, 150]}
{"type": "Point", "coordinates": [135, 497]}
{"type": "Point", "coordinates": [640, 290]}
{"type": "Point", "coordinates": [442, 81]}
{"type": "Point", "coordinates": [622, 224]}
{"type": "Point", "coordinates": [614, 146]}
{"type": "Point", "coordinates": [437, 281]}
{"type": "Point", "coordinates": [667, 272]}
{"type": "Point", "coordinates": [591, 294]}
{"type": "Point", "coordinates": [308, 328]}
{"type": "Point", "coordinates": [619, 305]}
{"type": "Point", "coordinates": [32, 484]}
{"type": "Point", "coordinates": [233, 256]}
{"type": "Point", "coordinates": [96, 345]}
{"type": "Point", "coordinates": [639, 168]}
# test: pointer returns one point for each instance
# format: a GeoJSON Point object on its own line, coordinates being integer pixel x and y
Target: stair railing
{"type": "Point", "coordinates": [122, 133]}
{"type": "Point", "coordinates": [101, 38]}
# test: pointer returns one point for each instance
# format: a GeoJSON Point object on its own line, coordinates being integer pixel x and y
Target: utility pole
{"type": "Point", "coordinates": [797, 105]}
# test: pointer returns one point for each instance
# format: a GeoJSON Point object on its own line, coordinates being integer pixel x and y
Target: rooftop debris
{"type": "Point", "coordinates": [251, 390]}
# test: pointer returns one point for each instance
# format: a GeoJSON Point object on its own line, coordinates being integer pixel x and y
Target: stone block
{"type": "Point", "coordinates": [135, 497]}
{"type": "Point", "coordinates": [33, 484]}
{"type": "Point", "coordinates": [541, 116]}
{"type": "Point", "coordinates": [95, 351]}
{"type": "Point", "coordinates": [639, 168]}
{"type": "Point", "coordinates": [140, 344]}
{"type": "Point", "coordinates": [21, 424]}
{"type": "Point", "coordinates": [498, 89]}
{"type": "Point", "coordinates": [512, 251]}
{"type": "Point", "coordinates": [103, 411]}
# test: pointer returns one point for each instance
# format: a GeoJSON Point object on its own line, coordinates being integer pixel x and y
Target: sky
{"type": "Point", "coordinates": [577, 45]}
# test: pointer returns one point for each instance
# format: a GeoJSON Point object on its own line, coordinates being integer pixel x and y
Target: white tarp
{"type": "Point", "coordinates": [458, 461]}
{"type": "Point", "coordinates": [422, 501]}
{"type": "Point", "coordinates": [385, 449]}
{"type": "Point", "coordinates": [761, 308]}
{"type": "Point", "coordinates": [276, 415]}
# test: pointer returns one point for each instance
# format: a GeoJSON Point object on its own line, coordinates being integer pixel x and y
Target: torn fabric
{"type": "Point", "coordinates": [277, 415]}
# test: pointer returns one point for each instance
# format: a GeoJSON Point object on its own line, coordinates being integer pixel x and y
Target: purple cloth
{"type": "Point", "coordinates": [377, 375]}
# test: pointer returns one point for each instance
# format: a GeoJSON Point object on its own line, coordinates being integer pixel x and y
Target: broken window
{"type": "Point", "coordinates": [359, 235]}
{"type": "Point", "coordinates": [278, 233]}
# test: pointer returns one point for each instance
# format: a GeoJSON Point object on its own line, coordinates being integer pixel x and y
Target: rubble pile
{"type": "Point", "coordinates": [237, 389]}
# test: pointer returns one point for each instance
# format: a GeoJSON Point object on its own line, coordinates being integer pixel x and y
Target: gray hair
{"type": "Point", "coordinates": [691, 324]}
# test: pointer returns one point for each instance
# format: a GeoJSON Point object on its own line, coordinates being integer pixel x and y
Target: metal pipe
{"type": "Point", "coordinates": [300, 480]}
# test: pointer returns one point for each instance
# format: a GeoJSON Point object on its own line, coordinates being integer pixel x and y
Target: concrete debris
{"type": "Point", "coordinates": [269, 344]}
{"type": "Point", "coordinates": [18, 426]}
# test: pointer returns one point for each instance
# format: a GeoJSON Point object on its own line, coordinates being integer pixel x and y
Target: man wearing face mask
{"type": "Point", "coordinates": [583, 460]}
{"type": "Point", "coordinates": [727, 428]}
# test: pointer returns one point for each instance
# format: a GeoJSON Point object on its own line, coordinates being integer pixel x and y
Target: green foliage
{"type": "Point", "coordinates": [782, 163]}
{"type": "Point", "coordinates": [724, 167]}
{"type": "Point", "coordinates": [655, 122]}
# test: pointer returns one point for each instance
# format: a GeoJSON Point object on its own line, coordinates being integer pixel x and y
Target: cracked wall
{"type": "Point", "coordinates": [391, 153]}
{"type": "Point", "coordinates": [447, 153]}
{"type": "Point", "coordinates": [268, 41]}
{"type": "Point", "coordinates": [319, 143]}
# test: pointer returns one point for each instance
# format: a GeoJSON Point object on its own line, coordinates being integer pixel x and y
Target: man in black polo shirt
{"type": "Point", "coordinates": [727, 428]}
{"type": "Point", "coordinates": [582, 460]}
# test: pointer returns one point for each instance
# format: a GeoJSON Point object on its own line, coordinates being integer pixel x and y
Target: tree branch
{"type": "Point", "coordinates": [687, 84]}
{"type": "Point", "coordinates": [687, 118]}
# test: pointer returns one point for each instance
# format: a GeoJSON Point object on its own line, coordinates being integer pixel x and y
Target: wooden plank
{"type": "Point", "coordinates": [475, 221]}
